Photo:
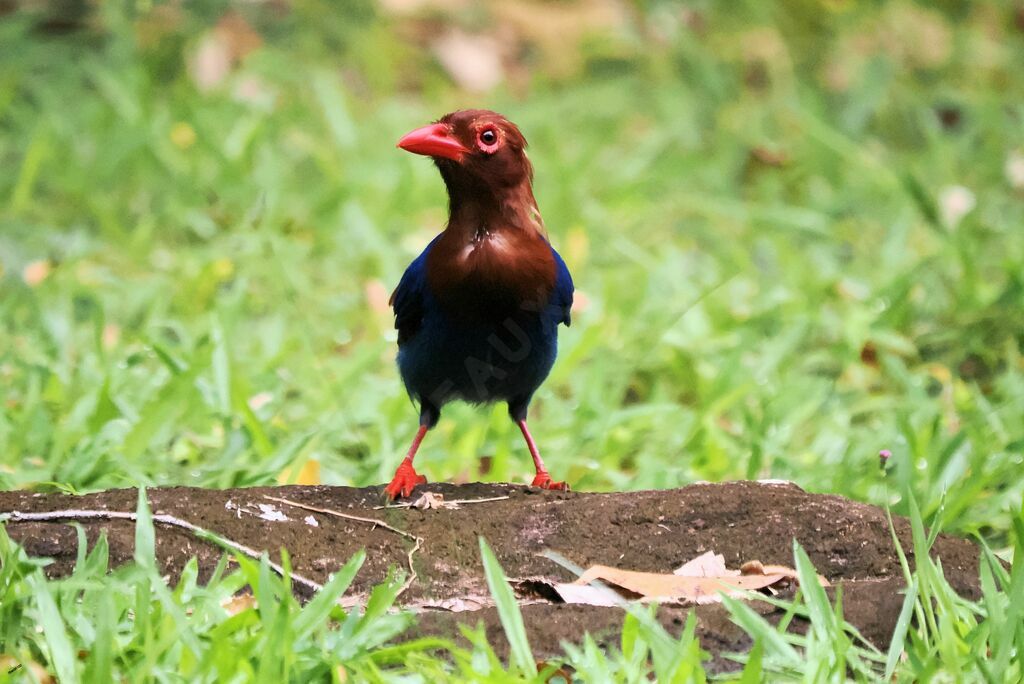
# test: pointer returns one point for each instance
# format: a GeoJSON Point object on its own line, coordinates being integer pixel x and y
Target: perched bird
{"type": "Point", "coordinates": [478, 311]}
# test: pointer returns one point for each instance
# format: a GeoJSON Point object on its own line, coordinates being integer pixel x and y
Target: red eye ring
{"type": "Point", "coordinates": [488, 139]}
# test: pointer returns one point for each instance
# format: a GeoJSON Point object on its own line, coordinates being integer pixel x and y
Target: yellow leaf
{"type": "Point", "coordinates": [306, 474]}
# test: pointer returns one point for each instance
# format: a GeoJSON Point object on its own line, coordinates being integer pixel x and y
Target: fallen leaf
{"type": "Point", "coordinates": [431, 501]}
{"type": "Point", "coordinates": [588, 595]}
{"type": "Point", "coordinates": [237, 604]}
{"type": "Point", "coordinates": [709, 564]}
{"type": "Point", "coordinates": [453, 605]}
{"type": "Point", "coordinates": [703, 579]}
{"type": "Point", "coordinates": [557, 673]}
{"type": "Point", "coordinates": [756, 568]}
{"type": "Point", "coordinates": [652, 585]}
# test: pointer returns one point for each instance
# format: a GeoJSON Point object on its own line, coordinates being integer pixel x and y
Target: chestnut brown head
{"type": "Point", "coordinates": [474, 148]}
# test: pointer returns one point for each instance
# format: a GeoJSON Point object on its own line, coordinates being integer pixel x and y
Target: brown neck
{"type": "Point", "coordinates": [493, 257]}
{"type": "Point", "coordinates": [477, 208]}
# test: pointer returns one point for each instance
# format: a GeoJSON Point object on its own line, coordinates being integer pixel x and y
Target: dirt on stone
{"type": "Point", "coordinates": [657, 531]}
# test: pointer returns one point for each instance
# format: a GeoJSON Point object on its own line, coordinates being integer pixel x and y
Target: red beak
{"type": "Point", "coordinates": [434, 141]}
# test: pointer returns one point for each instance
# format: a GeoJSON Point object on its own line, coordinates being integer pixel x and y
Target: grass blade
{"type": "Point", "coordinates": [508, 612]}
{"type": "Point", "coordinates": [319, 609]}
{"type": "Point", "coordinates": [899, 635]}
{"type": "Point", "coordinates": [145, 537]}
{"type": "Point", "coordinates": [62, 656]}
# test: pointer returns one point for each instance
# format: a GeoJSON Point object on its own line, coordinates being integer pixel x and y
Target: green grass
{"type": "Point", "coordinates": [126, 624]}
{"type": "Point", "coordinates": [213, 310]}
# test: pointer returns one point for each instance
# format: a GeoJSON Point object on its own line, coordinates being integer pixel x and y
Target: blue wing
{"type": "Point", "coordinates": [562, 296]}
{"type": "Point", "coordinates": [407, 299]}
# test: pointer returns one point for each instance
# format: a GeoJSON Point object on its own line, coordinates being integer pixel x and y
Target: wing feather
{"type": "Point", "coordinates": [407, 299]}
{"type": "Point", "coordinates": [562, 296]}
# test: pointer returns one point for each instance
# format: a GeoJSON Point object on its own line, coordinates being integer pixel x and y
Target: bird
{"type": "Point", "coordinates": [478, 311]}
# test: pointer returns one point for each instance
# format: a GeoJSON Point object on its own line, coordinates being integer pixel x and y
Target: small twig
{"type": "Point", "coordinates": [444, 504]}
{"type": "Point", "coordinates": [412, 571]}
{"type": "Point", "coordinates": [339, 514]}
{"type": "Point", "coordinates": [370, 521]}
{"type": "Point", "coordinates": [164, 519]}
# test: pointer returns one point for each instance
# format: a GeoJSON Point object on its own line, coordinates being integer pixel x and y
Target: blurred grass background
{"type": "Point", "coordinates": [797, 232]}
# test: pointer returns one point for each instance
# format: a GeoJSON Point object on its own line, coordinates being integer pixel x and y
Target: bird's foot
{"type": "Point", "coordinates": [543, 480]}
{"type": "Point", "coordinates": [404, 481]}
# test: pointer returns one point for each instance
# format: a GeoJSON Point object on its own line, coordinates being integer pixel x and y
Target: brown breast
{"type": "Point", "coordinates": [491, 275]}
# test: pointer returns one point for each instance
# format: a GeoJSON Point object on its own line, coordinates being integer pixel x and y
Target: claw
{"type": "Point", "coordinates": [404, 481]}
{"type": "Point", "coordinates": [543, 480]}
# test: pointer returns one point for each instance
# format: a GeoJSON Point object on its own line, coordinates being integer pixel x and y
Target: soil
{"type": "Point", "coordinates": [849, 543]}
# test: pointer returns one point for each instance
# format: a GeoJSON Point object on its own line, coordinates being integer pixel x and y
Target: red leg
{"type": "Point", "coordinates": [406, 478]}
{"type": "Point", "coordinates": [542, 479]}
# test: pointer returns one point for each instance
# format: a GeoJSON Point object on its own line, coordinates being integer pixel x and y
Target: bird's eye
{"type": "Point", "coordinates": [488, 136]}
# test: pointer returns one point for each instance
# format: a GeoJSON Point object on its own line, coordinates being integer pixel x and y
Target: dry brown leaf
{"type": "Point", "coordinates": [703, 579]}
{"type": "Point", "coordinates": [557, 673]}
{"type": "Point", "coordinates": [708, 564]}
{"type": "Point", "coordinates": [452, 605]}
{"type": "Point", "coordinates": [431, 501]}
{"type": "Point", "coordinates": [237, 604]}
{"type": "Point", "coordinates": [659, 586]}
{"type": "Point", "coordinates": [755, 568]}
{"type": "Point", "coordinates": [588, 595]}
